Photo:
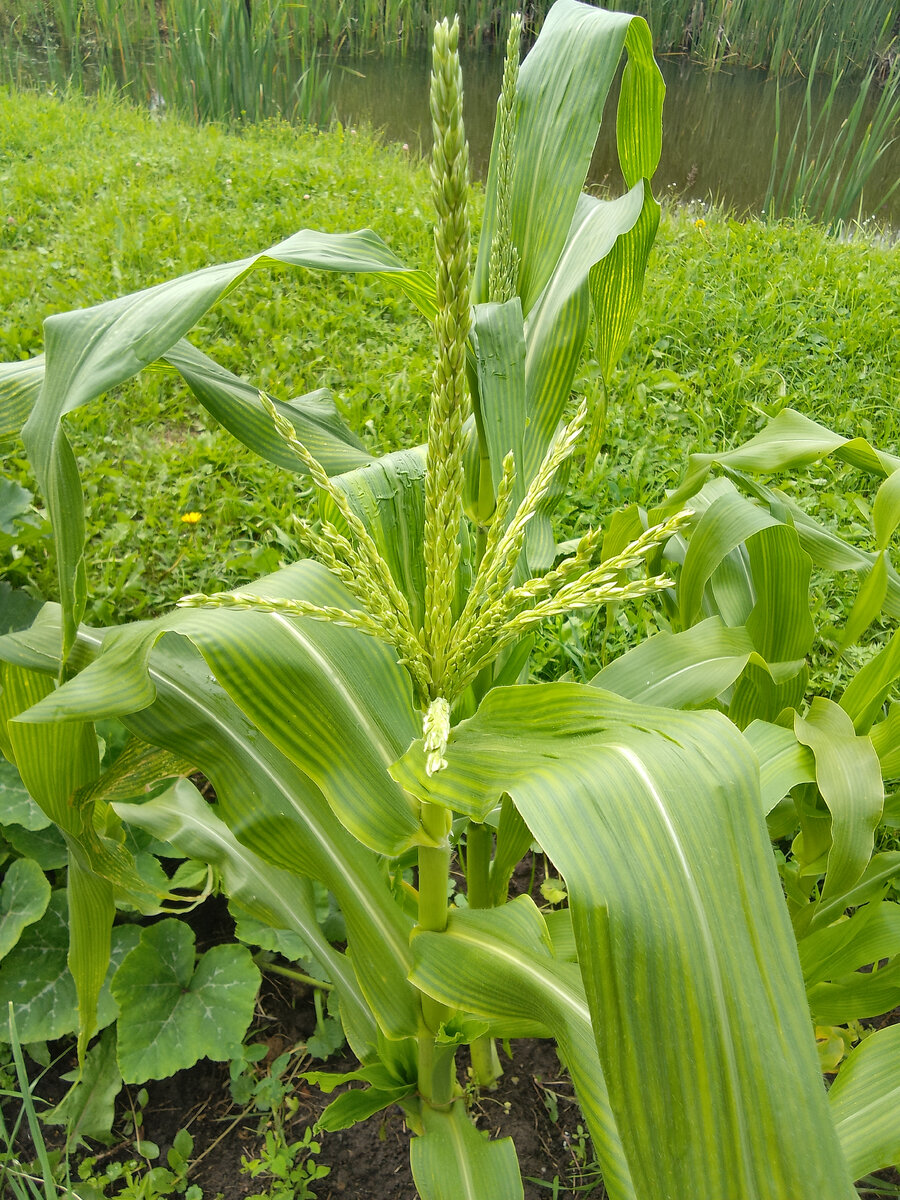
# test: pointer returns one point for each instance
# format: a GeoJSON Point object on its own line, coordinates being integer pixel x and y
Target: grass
{"type": "Point", "coordinates": [739, 318]}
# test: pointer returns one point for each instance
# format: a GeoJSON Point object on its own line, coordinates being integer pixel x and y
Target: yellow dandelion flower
{"type": "Point", "coordinates": [699, 223]}
{"type": "Point", "coordinates": [191, 518]}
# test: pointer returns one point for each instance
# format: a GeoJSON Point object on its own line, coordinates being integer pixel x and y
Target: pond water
{"type": "Point", "coordinates": [718, 129]}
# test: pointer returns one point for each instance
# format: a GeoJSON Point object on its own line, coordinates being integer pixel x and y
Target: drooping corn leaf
{"type": "Point", "coordinates": [20, 383]}
{"type": "Point", "coordinates": [869, 688]}
{"type": "Point", "coordinates": [654, 820]}
{"type": "Point", "coordinates": [236, 404]}
{"type": "Point", "coordinates": [886, 510]}
{"type": "Point", "coordinates": [886, 740]}
{"type": "Point", "coordinates": [783, 761]}
{"type": "Point", "coordinates": [333, 700]}
{"type": "Point", "coordinates": [790, 440]}
{"type": "Point", "coordinates": [870, 934]}
{"type": "Point", "coordinates": [55, 762]}
{"type": "Point", "coordinates": [268, 803]}
{"type": "Point", "coordinates": [91, 350]}
{"type": "Point", "coordinates": [865, 1103]}
{"type": "Point", "coordinates": [729, 521]}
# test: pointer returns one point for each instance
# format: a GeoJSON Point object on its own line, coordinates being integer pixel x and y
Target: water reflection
{"type": "Point", "coordinates": [718, 128]}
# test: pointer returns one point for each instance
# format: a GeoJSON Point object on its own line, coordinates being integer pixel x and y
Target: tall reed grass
{"type": "Point", "coordinates": [820, 173]}
{"type": "Point", "coordinates": [780, 35]}
{"type": "Point", "coordinates": [225, 60]}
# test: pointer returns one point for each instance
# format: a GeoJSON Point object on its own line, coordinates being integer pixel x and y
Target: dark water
{"type": "Point", "coordinates": [718, 129]}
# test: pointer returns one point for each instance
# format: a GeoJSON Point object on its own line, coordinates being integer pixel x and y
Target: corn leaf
{"type": "Point", "coordinates": [452, 1160]}
{"type": "Point", "coordinates": [865, 1103]}
{"type": "Point", "coordinates": [279, 898]}
{"type": "Point", "coordinates": [679, 670]}
{"type": "Point", "coordinates": [500, 964]}
{"type": "Point", "coordinates": [269, 804]}
{"type": "Point", "coordinates": [848, 776]}
{"type": "Point", "coordinates": [654, 820]}
{"type": "Point", "coordinates": [91, 350]}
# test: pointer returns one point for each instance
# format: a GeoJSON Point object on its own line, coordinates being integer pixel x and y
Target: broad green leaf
{"type": "Point", "coordinates": [20, 383]}
{"type": "Point", "coordinates": [848, 776]}
{"type": "Point", "coordinates": [886, 510]}
{"type": "Point", "coordinates": [885, 737]}
{"type": "Point", "coordinates": [16, 806]}
{"type": "Point", "coordinates": [46, 845]}
{"type": "Point", "coordinates": [268, 803]}
{"type": "Point", "coordinates": [558, 322]}
{"type": "Point", "coordinates": [452, 1160]}
{"type": "Point", "coordinates": [727, 522]}
{"type": "Point", "coordinates": [18, 608]}
{"type": "Point", "coordinates": [882, 868]}
{"type": "Point", "coordinates": [14, 502]}
{"type": "Point", "coordinates": [823, 545]}
{"type": "Point", "coordinates": [336, 702]}
{"type": "Point", "coordinates": [36, 978]}
{"type": "Point", "coordinates": [276, 898]}
{"type": "Point", "coordinates": [865, 1103]}
{"type": "Point", "coordinates": [358, 1105]}
{"type": "Point", "coordinates": [679, 670]}
{"type": "Point", "coordinates": [653, 818]}
{"type": "Point", "coordinates": [856, 995]}
{"type": "Point", "coordinates": [780, 624]}
{"type": "Point", "coordinates": [616, 282]}
{"type": "Point", "coordinates": [759, 696]}
{"type": "Point", "coordinates": [790, 440]}
{"type": "Point", "coordinates": [172, 1013]}
{"type": "Point", "coordinates": [236, 404]}
{"type": "Point", "coordinates": [24, 896]}
{"type": "Point", "coordinates": [499, 964]}
{"type": "Point", "coordinates": [87, 1110]}
{"type": "Point", "coordinates": [91, 350]}
{"type": "Point", "coordinates": [56, 762]}
{"type": "Point", "coordinates": [832, 959]}
{"type": "Point", "coordinates": [870, 934]}
{"type": "Point", "coordinates": [387, 494]}
{"type": "Point", "coordinates": [783, 761]}
{"type": "Point", "coordinates": [498, 336]}
{"type": "Point", "coordinates": [577, 52]}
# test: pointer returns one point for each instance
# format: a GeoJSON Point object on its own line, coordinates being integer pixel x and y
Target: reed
{"type": "Point", "coordinates": [821, 171]}
{"type": "Point", "coordinates": [783, 36]}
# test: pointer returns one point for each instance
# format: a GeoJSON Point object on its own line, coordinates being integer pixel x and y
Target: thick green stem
{"type": "Point", "coordinates": [437, 1068]}
{"type": "Point", "coordinates": [479, 839]}
{"type": "Point", "coordinates": [478, 864]}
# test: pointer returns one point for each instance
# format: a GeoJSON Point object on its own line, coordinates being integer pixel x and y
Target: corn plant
{"type": "Point", "coordinates": [361, 713]}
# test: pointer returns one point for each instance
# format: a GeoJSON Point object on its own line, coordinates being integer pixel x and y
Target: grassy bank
{"type": "Point", "coordinates": [737, 318]}
{"type": "Point", "coordinates": [781, 35]}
